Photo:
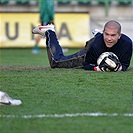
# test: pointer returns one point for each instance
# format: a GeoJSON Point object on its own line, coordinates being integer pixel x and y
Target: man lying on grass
{"type": "Point", "coordinates": [118, 48]}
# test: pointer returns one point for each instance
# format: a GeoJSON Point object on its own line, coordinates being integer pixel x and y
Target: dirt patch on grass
{"type": "Point", "coordinates": [23, 68]}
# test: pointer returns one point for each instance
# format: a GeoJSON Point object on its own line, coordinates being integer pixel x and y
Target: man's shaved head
{"type": "Point", "coordinates": [112, 24]}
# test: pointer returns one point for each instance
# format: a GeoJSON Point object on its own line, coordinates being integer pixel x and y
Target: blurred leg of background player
{"type": "Point", "coordinates": [36, 49]}
{"type": "Point", "coordinates": [46, 9]}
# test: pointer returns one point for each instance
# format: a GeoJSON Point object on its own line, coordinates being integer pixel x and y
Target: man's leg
{"type": "Point", "coordinates": [56, 56]}
{"type": "Point", "coordinates": [55, 53]}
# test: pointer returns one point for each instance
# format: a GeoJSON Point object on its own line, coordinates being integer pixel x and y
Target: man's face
{"type": "Point", "coordinates": [111, 36]}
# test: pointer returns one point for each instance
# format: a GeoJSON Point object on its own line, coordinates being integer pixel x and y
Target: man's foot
{"type": "Point", "coordinates": [95, 31]}
{"type": "Point", "coordinates": [35, 50]}
{"type": "Point", "coordinates": [6, 100]}
{"type": "Point", "coordinates": [42, 29]}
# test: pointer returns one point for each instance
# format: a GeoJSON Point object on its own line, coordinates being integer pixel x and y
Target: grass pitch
{"type": "Point", "coordinates": [63, 100]}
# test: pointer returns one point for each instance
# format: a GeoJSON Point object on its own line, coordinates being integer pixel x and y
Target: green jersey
{"type": "Point", "coordinates": [46, 10]}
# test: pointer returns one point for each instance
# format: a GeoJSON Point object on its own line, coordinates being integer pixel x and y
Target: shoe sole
{"type": "Point", "coordinates": [43, 27]}
{"type": "Point", "coordinates": [1, 103]}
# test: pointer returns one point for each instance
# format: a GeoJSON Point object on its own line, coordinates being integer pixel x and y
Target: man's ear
{"type": "Point", "coordinates": [119, 36]}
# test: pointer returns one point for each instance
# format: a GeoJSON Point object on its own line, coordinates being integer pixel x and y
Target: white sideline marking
{"type": "Point", "coordinates": [67, 115]}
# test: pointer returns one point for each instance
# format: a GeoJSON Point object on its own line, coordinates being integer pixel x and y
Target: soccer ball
{"type": "Point", "coordinates": [103, 55]}
{"type": "Point", "coordinates": [107, 59]}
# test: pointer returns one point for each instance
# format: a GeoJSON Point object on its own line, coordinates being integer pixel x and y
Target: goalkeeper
{"type": "Point", "coordinates": [111, 40]}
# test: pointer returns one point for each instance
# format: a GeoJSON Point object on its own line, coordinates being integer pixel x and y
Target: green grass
{"type": "Point", "coordinates": [63, 91]}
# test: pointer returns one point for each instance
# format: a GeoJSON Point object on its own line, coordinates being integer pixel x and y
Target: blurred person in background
{"type": "Point", "coordinates": [46, 8]}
